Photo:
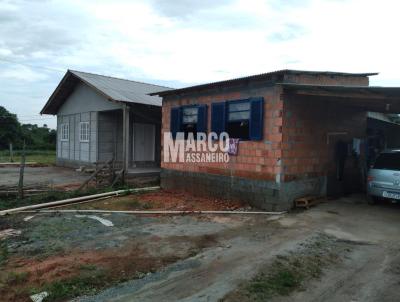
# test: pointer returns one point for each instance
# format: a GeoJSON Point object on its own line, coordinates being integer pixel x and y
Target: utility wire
{"type": "Point", "coordinates": [44, 119]}
{"type": "Point", "coordinates": [33, 66]}
{"type": "Point", "coordinates": [34, 117]}
{"type": "Point", "coordinates": [25, 118]}
{"type": "Point", "coordinates": [21, 116]}
{"type": "Point", "coordinates": [7, 122]}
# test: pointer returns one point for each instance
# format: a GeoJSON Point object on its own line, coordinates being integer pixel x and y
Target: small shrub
{"type": "Point", "coordinates": [147, 206]}
{"type": "Point", "coordinates": [17, 277]}
{"type": "Point", "coordinates": [84, 284]}
{"type": "Point", "coordinates": [88, 267]}
{"type": "Point", "coordinates": [3, 253]}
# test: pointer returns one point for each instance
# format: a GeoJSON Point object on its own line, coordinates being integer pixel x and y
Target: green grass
{"type": "Point", "coordinates": [282, 279]}
{"type": "Point", "coordinates": [87, 267]}
{"type": "Point", "coordinates": [3, 253]}
{"type": "Point", "coordinates": [74, 287]}
{"type": "Point", "coordinates": [147, 206]}
{"type": "Point", "coordinates": [17, 278]}
{"type": "Point", "coordinates": [44, 157]}
{"type": "Point", "coordinates": [290, 272]}
{"type": "Point", "coordinates": [10, 202]}
{"type": "Point", "coordinates": [87, 283]}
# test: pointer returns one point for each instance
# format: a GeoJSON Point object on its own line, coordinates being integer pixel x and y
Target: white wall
{"type": "Point", "coordinates": [86, 99]}
{"type": "Point", "coordinates": [81, 106]}
{"type": "Point", "coordinates": [74, 149]}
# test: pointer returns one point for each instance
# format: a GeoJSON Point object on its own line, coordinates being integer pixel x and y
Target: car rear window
{"type": "Point", "coordinates": [388, 161]}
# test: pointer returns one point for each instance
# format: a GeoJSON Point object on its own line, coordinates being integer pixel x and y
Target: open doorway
{"type": "Point", "coordinates": [144, 136]}
{"type": "Point", "coordinates": [347, 172]}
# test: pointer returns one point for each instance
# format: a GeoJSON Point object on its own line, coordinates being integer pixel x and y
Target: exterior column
{"type": "Point", "coordinates": [125, 138]}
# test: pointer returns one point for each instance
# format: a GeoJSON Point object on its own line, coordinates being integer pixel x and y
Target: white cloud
{"type": "Point", "coordinates": [189, 41]}
{"type": "Point", "coordinates": [5, 52]}
{"type": "Point", "coordinates": [22, 73]}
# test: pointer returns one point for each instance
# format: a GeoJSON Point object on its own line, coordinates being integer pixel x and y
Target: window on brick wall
{"type": "Point", "coordinates": [189, 119]}
{"type": "Point", "coordinates": [238, 121]}
{"type": "Point", "coordinates": [84, 132]}
{"type": "Point", "coordinates": [241, 119]}
{"type": "Point", "coordinates": [64, 132]}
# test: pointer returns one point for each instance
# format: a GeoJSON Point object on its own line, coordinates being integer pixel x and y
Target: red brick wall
{"type": "Point", "coordinates": [306, 149]}
{"type": "Point", "coordinates": [294, 144]}
{"type": "Point", "coordinates": [255, 159]}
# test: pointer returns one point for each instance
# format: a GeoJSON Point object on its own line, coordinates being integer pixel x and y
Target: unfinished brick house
{"type": "Point", "coordinates": [300, 132]}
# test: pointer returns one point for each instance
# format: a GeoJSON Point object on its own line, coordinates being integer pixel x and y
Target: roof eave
{"type": "Point", "coordinates": [345, 91]}
{"type": "Point", "coordinates": [68, 74]}
{"type": "Point", "coordinates": [263, 76]}
{"type": "Point", "coordinates": [52, 96]}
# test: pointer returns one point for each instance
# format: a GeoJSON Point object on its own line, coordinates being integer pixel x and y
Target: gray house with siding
{"type": "Point", "coordinates": [101, 118]}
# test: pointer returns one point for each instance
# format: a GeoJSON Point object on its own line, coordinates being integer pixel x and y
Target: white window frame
{"type": "Point", "coordinates": [64, 129]}
{"type": "Point", "coordinates": [84, 132]}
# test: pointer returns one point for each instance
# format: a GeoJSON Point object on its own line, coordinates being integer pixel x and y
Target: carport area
{"type": "Point", "coordinates": [332, 134]}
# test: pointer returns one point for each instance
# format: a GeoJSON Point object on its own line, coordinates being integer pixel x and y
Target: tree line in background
{"type": "Point", "coordinates": [35, 137]}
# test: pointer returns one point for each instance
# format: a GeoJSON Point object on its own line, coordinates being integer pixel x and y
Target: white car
{"type": "Point", "coordinates": [384, 177]}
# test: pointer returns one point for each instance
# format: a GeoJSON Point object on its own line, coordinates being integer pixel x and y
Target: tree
{"type": "Point", "coordinates": [35, 137]}
{"type": "Point", "coordinates": [10, 129]}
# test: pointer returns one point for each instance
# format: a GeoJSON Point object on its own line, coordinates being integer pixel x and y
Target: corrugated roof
{"type": "Point", "coordinates": [121, 89]}
{"type": "Point", "coordinates": [263, 76]}
{"type": "Point", "coordinates": [114, 89]}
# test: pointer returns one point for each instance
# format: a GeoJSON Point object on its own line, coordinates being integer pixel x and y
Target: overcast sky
{"type": "Point", "coordinates": [184, 42]}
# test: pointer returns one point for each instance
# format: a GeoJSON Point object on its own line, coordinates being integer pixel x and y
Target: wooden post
{"type": "Point", "coordinates": [21, 174]}
{"type": "Point", "coordinates": [11, 153]}
{"type": "Point", "coordinates": [125, 139]}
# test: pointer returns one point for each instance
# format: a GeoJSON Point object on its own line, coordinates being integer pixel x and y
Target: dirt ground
{"type": "Point", "coordinates": [367, 266]}
{"type": "Point", "coordinates": [161, 200]}
{"type": "Point", "coordinates": [352, 247]}
{"type": "Point", "coordinates": [44, 176]}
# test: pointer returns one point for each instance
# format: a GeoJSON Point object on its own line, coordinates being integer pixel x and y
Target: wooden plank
{"type": "Point", "coordinates": [98, 170]}
{"type": "Point", "coordinates": [117, 177]}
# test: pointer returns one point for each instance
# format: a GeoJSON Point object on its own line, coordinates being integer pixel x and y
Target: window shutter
{"type": "Point", "coordinates": [202, 119]}
{"type": "Point", "coordinates": [218, 117]}
{"type": "Point", "coordinates": [256, 118]}
{"type": "Point", "coordinates": [175, 124]}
